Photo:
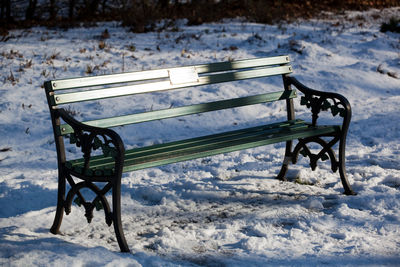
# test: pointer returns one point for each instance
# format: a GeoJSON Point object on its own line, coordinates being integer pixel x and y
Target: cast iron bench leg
{"type": "Point", "coordinates": [55, 228]}
{"type": "Point", "coordinates": [116, 216]}
{"type": "Point", "coordinates": [342, 168]}
{"type": "Point", "coordinates": [286, 161]}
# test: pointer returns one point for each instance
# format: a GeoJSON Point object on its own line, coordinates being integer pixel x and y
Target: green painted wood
{"type": "Point", "coordinates": [163, 73]}
{"type": "Point", "coordinates": [211, 151]}
{"type": "Point", "coordinates": [211, 138]}
{"type": "Point", "coordinates": [185, 110]}
{"type": "Point", "coordinates": [161, 148]}
{"type": "Point", "coordinates": [166, 85]}
{"type": "Point", "coordinates": [242, 64]}
{"type": "Point", "coordinates": [182, 144]}
{"type": "Point", "coordinates": [212, 145]}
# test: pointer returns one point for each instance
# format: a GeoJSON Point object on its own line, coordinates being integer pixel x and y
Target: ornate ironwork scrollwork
{"type": "Point", "coordinates": [322, 103]}
{"type": "Point", "coordinates": [89, 142]}
{"type": "Point", "coordinates": [90, 139]}
{"type": "Point", "coordinates": [99, 202]}
{"type": "Point", "coordinates": [324, 154]}
{"type": "Point", "coordinates": [319, 101]}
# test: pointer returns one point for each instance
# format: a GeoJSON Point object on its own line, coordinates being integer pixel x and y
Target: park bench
{"type": "Point", "coordinates": [104, 158]}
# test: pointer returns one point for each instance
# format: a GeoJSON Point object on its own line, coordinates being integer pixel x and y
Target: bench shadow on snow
{"type": "Point", "coordinates": [227, 207]}
{"type": "Point", "coordinates": [23, 248]}
{"type": "Point", "coordinates": [234, 189]}
{"type": "Point", "coordinates": [227, 201]}
{"type": "Point", "coordinates": [27, 197]}
{"type": "Point", "coordinates": [58, 251]}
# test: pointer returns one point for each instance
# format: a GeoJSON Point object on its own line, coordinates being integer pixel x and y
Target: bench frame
{"type": "Point", "coordinates": [89, 138]}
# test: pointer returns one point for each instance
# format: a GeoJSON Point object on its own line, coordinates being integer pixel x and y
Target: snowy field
{"type": "Point", "coordinates": [226, 210]}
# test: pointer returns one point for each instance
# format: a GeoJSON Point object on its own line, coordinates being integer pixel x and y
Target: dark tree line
{"type": "Point", "coordinates": [22, 10]}
{"type": "Point", "coordinates": [5, 9]}
{"type": "Point", "coordinates": [141, 14]}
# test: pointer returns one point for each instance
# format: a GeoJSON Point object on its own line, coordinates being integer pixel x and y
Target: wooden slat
{"type": "Point", "coordinates": [207, 143]}
{"type": "Point", "coordinates": [210, 145]}
{"type": "Point", "coordinates": [182, 144]}
{"type": "Point", "coordinates": [185, 110]}
{"type": "Point", "coordinates": [242, 64]}
{"type": "Point", "coordinates": [215, 149]}
{"type": "Point", "coordinates": [211, 138]}
{"type": "Point", "coordinates": [161, 148]}
{"type": "Point", "coordinates": [163, 73]}
{"type": "Point", "coordinates": [166, 85]}
{"type": "Point", "coordinates": [109, 79]}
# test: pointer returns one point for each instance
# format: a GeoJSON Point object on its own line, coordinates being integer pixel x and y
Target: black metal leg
{"type": "Point", "coordinates": [64, 204]}
{"type": "Point", "coordinates": [326, 150]}
{"type": "Point", "coordinates": [116, 216]}
{"type": "Point", "coordinates": [286, 161]}
{"type": "Point", "coordinates": [342, 170]}
{"type": "Point", "coordinates": [55, 228]}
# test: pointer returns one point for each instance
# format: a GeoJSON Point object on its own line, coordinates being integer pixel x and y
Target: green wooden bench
{"type": "Point", "coordinates": [94, 136]}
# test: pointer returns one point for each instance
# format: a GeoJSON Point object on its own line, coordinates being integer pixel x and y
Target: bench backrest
{"type": "Point", "coordinates": [66, 91]}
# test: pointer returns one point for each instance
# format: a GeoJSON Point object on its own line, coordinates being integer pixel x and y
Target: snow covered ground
{"type": "Point", "coordinates": [228, 209]}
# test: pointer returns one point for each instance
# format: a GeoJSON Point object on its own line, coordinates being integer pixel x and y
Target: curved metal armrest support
{"type": "Point", "coordinates": [322, 101]}
{"type": "Point", "coordinates": [90, 138]}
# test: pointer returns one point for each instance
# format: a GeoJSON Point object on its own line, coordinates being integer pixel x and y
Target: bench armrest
{"type": "Point", "coordinates": [319, 101]}
{"type": "Point", "coordinates": [90, 138]}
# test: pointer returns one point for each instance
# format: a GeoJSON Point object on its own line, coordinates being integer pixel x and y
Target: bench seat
{"type": "Point", "coordinates": [161, 154]}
